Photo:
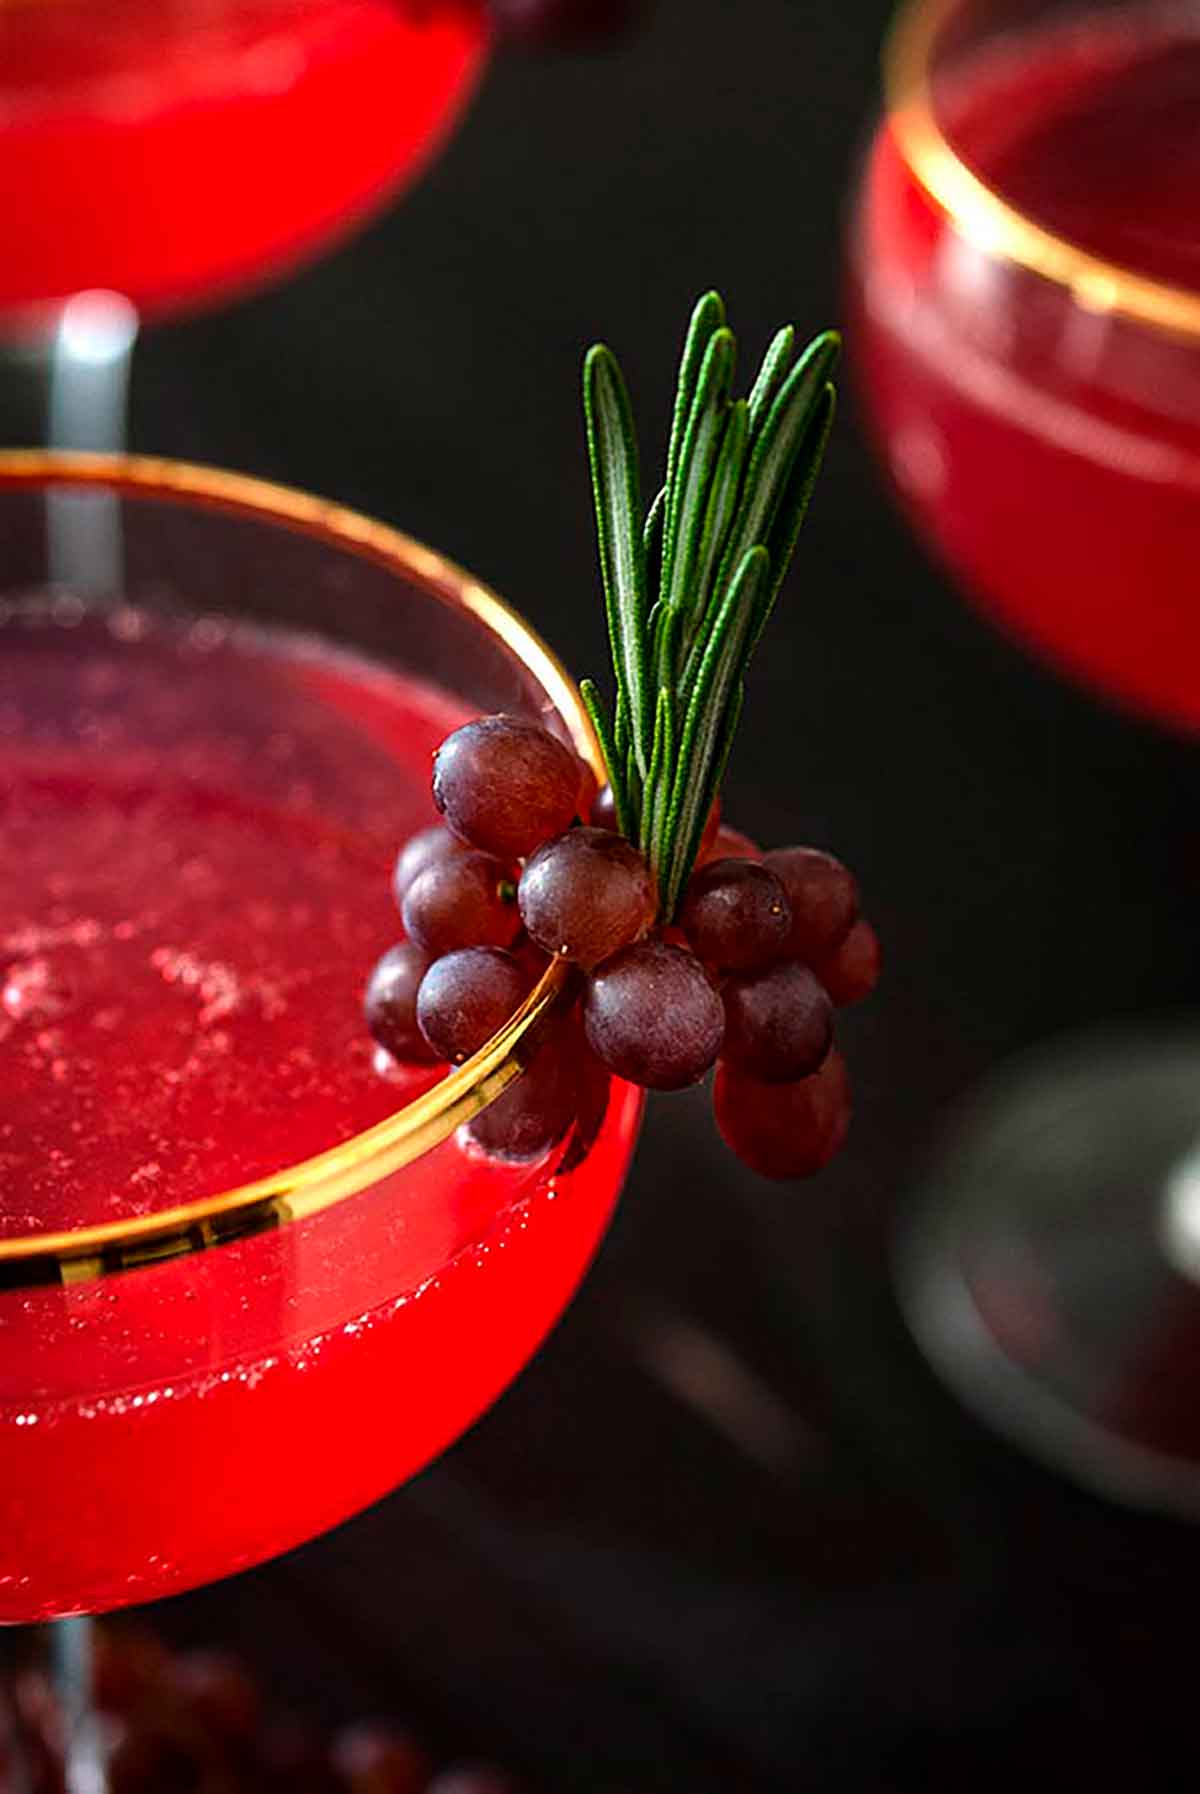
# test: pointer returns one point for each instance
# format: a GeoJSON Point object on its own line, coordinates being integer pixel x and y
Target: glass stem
{"type": "Point", "coordinates": [71, 1666]}
{"type": "Point", "coordinates": [87, 408]}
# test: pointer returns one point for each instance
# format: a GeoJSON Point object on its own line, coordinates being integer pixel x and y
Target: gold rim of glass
{"type": "Point", "coordinates": [982, 215]}
{"type": "Point", "coordinates": [299, 1191]}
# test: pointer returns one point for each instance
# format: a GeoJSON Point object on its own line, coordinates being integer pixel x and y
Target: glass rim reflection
{"type": "Point", "coordinates": [983, 216]}
{"type": "Point", "coordinates": [298, 1191]}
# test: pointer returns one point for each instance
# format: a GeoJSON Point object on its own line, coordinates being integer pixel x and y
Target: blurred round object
{"type": "Point", "coordinates": [145, 1760]}
{"type": "Point", "coordinates": [473, 1778]}
{"type": "Point", "coordinates": [291, 1757]}
{"type": "Point", "coordinates": [377, 1758]}
{"type": "Point", "coordinates": [129, 1664]}
{"type": "Point", "coordinates": [1051, 1272]}
{"type": "Point", "coordinates": [220, 1694]}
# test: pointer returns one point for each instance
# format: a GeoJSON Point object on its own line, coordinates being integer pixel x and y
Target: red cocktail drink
{"type": "Point", "coordinates": [1027, 284]}
{"type": "Point", "coordinates": [173, 151]}
{"type": "Point", "coordinates": [198, 817]}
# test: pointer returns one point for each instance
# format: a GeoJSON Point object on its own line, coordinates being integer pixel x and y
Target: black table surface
{"type": "Point", "coordinates": [728, 1530]}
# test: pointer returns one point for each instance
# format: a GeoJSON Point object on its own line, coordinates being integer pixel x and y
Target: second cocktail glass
{"type": "Point", "coordinates": [173, 152]}
{"type": "Point", "coordinates": [1026, 290]}
{"type": "Point", "coordinates": [157, 157]}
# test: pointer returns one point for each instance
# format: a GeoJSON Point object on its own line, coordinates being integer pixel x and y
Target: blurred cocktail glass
{"type": "Point", "coordinates": [175, 150]}
{"type": "Point", "coordinates": [157, 155]}
{"type": "Point", "coordinates": [1025, 280]}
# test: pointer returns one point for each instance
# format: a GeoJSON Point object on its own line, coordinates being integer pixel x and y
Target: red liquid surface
{"type": "Point", "coordinates": [196, 828]}
{"type": "Point", "coordinates": [1051, 453]}
{"type": "Point", "coordinates": [170, 149]}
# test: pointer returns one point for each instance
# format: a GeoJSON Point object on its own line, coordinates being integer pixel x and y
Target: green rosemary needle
{"type": "Point", "coordinates": [689, 584]}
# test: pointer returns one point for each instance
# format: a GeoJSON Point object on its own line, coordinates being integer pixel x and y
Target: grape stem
{"type": "Point", "coordinates": [714, 547]}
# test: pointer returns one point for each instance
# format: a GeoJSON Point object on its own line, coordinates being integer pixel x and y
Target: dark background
{"type": "Point", "coordinates": [727, 1530]}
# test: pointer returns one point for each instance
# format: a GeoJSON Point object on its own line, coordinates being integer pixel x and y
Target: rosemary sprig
{"type": "Point", "coordinates": [718, 539]}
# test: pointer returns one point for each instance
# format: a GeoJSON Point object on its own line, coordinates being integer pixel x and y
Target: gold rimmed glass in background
{"type": "Point", "coordinates": [1025, 290]}
{"type": "Point", "coordinates": [160, 1361]}
{"type": "Point", "coordinates": [1026, 297]}
{"type": "Point", "coordinates": [156, 158]}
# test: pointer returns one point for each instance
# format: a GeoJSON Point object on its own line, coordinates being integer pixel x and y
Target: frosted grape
{"type": "Point", "coordinates": [585, 895]}
{"type": "Point", "coordinates": [730, 844]}
{"type": "Point", "coordinates": [652, 1016]}
{"type": "Point", "coordinates": [778, 1022]}
{"type": "Point", "coordinates": [823, 896]}
{"type": "Point", "coordinates": [466, 997]}
{"type": "Point", "coordinates": [390, 1003]}
{"type": "Point", "coordinates": [423, 849]}
{"type": "Point", "coordinates": [853, 971]}
{"type": "Point", "coordinates": [468, 901]}
{"type": "Point", "coordinates": [535, 1112]}
{"type": "Point", "coordinates": [784, 1130]}
{"type": "Point", "coordinates": [736, 915]}
{"type": "Point", "coordinates": [506, 785]}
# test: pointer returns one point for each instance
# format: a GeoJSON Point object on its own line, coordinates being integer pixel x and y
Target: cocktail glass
{"type": "Point", "coordinates": [175, 152]}
{"type": "Point", "coordinates": [199, 1370]}
{"type": "Point", "coordinates": [1026, 311]}
{"type": "Point", "coordinates": [1026, 301]}
{"type": "Point", "coordinates": [161, 154]}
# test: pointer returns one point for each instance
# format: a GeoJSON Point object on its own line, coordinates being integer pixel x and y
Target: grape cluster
{"type": "Point", "coordinates": [527, 866]}
{"type": "Point", "coordinates": [197, 1723]}
{"type": "Point", "coordinates": [504, 786]}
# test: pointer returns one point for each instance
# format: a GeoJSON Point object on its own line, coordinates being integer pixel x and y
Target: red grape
{"type": "Point", "coordinates": [390, 1003]}
{"type": "Point", "coordinates": [784, 1130]}
{"type": "Point", "coordinates": [506, 785]}
{"type": "Point", "coordinates": [535, 1111]}
{"type": "Point", "coordinates": [380, 1759]}
{"type": "Point", "coordinates": [730, 844]}
{"type": "Point", "coordinates": [853, 971]}
{"type": "Point", "coordinates": [604, 809]}
{"type": "Point", "coordinates": [652, 1016]}
{"type": "Point", "coordinates": [593, 1090]}
{"type": "Point", "coordinates": [585, 895]}
{"type": "Point", "coordinates": [778, 1023]}
{"type": "Point", "coordinates": [464, 902]}
{"type": "Point", "coordinates": [465, 997]}
{"type": "Point", "coordinates": [604, 815]}
{"type": "Point", "coordinates": [420, 850]}
{"type": "Point", "coordinates": [823, 896]}
{"type": "Point", "coordinates": [736, 914]}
